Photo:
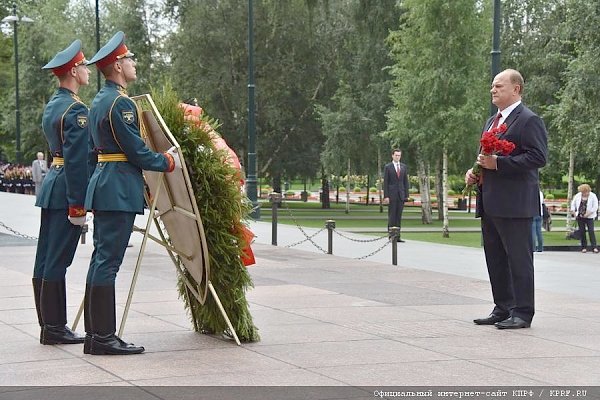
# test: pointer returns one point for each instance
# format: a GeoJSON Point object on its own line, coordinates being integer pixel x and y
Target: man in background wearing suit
{"type": "Point", "coordinates": [507, 201]}
{"type": "Point", "coordinates": [395, 189]}
{"type": "Point", "coordinates": [39, 169]}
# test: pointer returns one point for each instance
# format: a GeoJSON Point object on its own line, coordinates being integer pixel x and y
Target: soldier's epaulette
{"type": "Point", "coordinates": [78, 100]}
{"type": "Point", "coordinates": [122, 92]}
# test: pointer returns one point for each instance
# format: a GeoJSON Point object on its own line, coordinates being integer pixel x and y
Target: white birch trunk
{"type": "Point", "coordinates": [446, 223]}
{"type": "Point", "coordinates": [570, 187]}
{"type": "Point", "coordinates": [348, 189]}
{"type": "Point", "coordinates": [424, 190]}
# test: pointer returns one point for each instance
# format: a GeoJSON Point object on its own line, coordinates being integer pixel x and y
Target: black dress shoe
{"type": "Point", "coordinates": [400, 241]}
{"type": "Point", "coordinates": [61, 334]}
{"type": "Point", "coordinates": [491, 320]}
{"type": "Point", "coordinates": [112, 344]}
{"type": "Point", "coordinates": [513, 323]}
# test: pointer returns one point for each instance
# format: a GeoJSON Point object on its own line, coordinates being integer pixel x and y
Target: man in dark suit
{"type": "Point", "coordinates": [507, 201]}
{"type": "Point", "coordinates": [395, 189]}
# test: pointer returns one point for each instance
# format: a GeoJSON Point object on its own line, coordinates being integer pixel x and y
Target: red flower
{"type": "Point", "coordinates": [491, 144]}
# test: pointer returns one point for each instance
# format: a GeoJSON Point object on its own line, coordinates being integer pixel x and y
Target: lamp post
{"type": "Point", "coordinates": [495, 47]}
{"type": "Point", "coordinates": [251, 180]}
{"type": "Point", "coordinates": [98, 83]}
{"type": "Point", "coordinates": [14, 18]}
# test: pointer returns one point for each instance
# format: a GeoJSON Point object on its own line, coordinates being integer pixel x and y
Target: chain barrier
{"type": "Point", "coordinates": [386, 236]}
{"type": "Point", "coordinates": [367, 241]}
{"type": "Point", "coordinates": [376, 251]}
{"type": "Point", "coordinates": [17, 233]}
{"type": "Point", "coordinates": [308, 238]}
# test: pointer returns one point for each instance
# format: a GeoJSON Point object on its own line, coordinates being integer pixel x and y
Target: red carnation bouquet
{"type": "Point", "coordinates": [490, 145]}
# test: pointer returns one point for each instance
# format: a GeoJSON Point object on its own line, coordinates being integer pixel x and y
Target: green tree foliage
{"type": "Point", "coordinates": [535, 40]}
{"type": "Point", "coordinates": [330, 54]}
{"type": "Point", "coordinates": [293, 47]}
{"type": "Point", "coordinates": [439, 90]}
{"type": "Point", "coordinates": [576, 113]}
{"type": "Point", "coordinates": [355, 115]}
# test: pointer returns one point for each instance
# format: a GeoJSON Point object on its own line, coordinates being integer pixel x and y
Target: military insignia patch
{"type": "Point", "coordinates": [128, 117]}
{"type": "Point", "coordinates": [82, 121]}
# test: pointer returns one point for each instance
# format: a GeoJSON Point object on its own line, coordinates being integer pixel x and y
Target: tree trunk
{"type": "Point", "coordinates": [424, 190]}
{"type": "Point", "coordinates": [379, 180]}
{"type": "Point", "coordinates": [444, 204]}
{"type": "Point", "coordinates": [277, 183]}
{"type": "Point", "coordinates": [368, 187]}
{"type": "Point", "coordinates": [324, 191]}
{"type": "Point", "coordinates": [438, 190]}
{"type": "Point", "coordinates": [570, 187]}
{"type": "Point", "coordinates": [348, 188]}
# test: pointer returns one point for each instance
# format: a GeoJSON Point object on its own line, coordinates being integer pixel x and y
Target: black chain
{"type": "Point", "coordinates": [361, 240]}
{"type": "Point", "coordinates": [308, 238]}
{"type": "Point", "coordinates": [17, 233]}
{"type": "Point", "coordinates": [376, 251]}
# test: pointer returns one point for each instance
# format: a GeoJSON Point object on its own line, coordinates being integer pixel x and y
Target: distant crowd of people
{"type": "Point", "coordinates": [16, 178]}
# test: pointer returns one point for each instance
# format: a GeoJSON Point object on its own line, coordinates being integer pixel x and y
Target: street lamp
{"type": "Point", "coordinates": [495, 47]}
{"type": "Point", "coordinates": [15, 19]}
{"type": "Point", "coordinates": [251, 181]}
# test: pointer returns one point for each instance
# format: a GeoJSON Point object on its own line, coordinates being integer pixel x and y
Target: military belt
{"type": "Point", "coordinates": [112, 157]}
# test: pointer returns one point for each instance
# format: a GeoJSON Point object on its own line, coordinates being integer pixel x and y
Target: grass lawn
{"type": "Point", "coordinates": [473, 239]}
{"type": "Point", "coordinates": [309, 214]}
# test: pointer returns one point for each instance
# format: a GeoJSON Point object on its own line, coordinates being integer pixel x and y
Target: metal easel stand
{"type": "Point", "coordinates": [172, 252]}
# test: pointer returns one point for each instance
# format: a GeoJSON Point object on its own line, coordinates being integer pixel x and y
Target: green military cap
{"type": "Point", "coordinates": [70, 57]}
{"type": "Point", "coordinates": [112, 51]}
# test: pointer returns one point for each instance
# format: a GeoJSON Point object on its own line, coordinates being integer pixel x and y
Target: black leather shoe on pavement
{"type": "Point", "coordinates": [59, 335]}
{"type": "Point", "coordinates": [491, 320]}
{"type": "Point", "coordinates": [513, 323]}
{"type": "Point", "coordinates": [112, 344]}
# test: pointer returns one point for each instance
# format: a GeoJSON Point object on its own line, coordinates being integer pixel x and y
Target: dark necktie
{"type": "Point", "coordinates": [496, 121]}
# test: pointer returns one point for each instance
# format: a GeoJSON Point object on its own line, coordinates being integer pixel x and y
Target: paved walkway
{"type": "Point", "coordinates": [325, 321]}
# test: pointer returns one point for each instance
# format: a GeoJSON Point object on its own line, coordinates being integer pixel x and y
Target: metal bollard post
{"type": "Point", "coordinates": [275, 199]}
{"type": "Point", "coordinates": [84, 230]}
{"type": "Point", "coordinates": [394, 233]}
{"type": "Point", "coordinates": [330, 225]}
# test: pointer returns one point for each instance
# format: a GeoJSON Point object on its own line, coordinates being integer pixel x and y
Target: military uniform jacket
{"type": "Point", "coordinates": [115, 129]}
{"type": "Point", "coordinates": [65, 126]}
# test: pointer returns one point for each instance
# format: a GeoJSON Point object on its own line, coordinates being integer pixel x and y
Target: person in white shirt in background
{"type": "Point", "coordinates": [584, 208]}
{"type": "Point", "coordinates": [536, 228]}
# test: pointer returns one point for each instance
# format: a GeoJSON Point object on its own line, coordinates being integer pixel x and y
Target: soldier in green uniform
{"type": "Point", "coordinates": [115, 192]}
{"type": "Point", "coordinates": [62, 196]}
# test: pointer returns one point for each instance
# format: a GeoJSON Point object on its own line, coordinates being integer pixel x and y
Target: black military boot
{"type": "Point", "coordinates": [104, 341]}
{"type": "Point", "coordinates": [87, 321]}
{"type": "Point", "coordinates": [53, 304]}
{"type": "Point", "coordinates": [37, 289]}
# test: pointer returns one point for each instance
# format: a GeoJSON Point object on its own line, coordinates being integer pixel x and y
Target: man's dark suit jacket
{"type": "Point", "coordinates": [394, 187]}
{"type": "Point", "coordinates": [512, 191]}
